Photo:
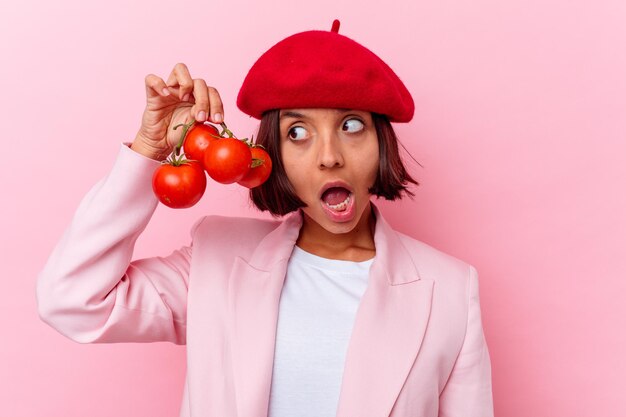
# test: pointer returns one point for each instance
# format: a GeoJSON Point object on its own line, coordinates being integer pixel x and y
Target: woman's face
{"type": "Point", "coordinates": [331, 159]}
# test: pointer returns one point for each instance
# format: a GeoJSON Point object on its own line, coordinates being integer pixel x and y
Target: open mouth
{"type": "Point", "coordinates": [337, 198]}
{"type": "Point", "coordinates": [338, 203]}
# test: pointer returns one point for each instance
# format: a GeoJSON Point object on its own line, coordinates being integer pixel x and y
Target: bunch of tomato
{"type": "Point", "coordinates": [180, 182]}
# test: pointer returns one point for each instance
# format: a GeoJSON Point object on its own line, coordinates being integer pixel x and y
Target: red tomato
{"type": "Point", "coordinates": [257, 175]}
{"type": "Point", "coordinates": [227, 160]}
{"type": "Point", "coordinates": [179, 186]}
{"type": "Point", "coordinates": [197, 140]}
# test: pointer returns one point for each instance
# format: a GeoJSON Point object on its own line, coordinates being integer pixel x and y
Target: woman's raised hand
{"type": "Point", "coordinates": [170, 103]}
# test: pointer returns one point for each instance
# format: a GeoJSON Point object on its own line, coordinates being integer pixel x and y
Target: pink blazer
{"type": "Point", "coordinates": [417, 346]}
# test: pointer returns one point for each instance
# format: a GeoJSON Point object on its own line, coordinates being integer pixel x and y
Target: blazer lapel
{"type": "Point", "coordinates": [387, 334]}
{"type": "Point", "coordinates": [388, 330]}
{"type": "Point", "coordinates": [254, 291]}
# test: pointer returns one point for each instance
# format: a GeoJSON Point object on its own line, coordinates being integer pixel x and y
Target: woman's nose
{"type": "Point", "coordinates": [329, 152]}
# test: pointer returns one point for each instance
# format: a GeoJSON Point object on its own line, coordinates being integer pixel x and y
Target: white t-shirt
{"type": "Point", "coordinates": [318, 304]}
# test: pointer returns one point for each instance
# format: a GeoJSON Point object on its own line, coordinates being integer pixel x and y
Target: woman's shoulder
{"type": "Point", "coordinates": [434, 263]}
{"type": "Point", "coordinates": [227, 228]}
{"type": "Point", "coordinates": [222, 240]}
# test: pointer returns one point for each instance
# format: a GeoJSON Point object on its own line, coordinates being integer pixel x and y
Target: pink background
{"type": "Point", "coordinates": [520, 126]}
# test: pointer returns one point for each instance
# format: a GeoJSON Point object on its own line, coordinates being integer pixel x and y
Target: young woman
{"type": "Point", "coordinates": [323, 311]}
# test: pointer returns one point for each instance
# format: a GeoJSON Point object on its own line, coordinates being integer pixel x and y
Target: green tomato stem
{"type": "Point", "coordinates": [256, 162]}
{"type": "Point", "coordinates": [230, 134]}
{"type": "Point", "coordinates": [183, 134]}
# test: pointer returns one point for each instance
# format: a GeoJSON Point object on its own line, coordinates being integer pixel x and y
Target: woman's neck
{"type": "Point", "coordinates": [357, 245]}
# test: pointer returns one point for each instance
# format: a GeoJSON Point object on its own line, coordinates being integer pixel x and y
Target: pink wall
{"type": "Point", "coordinates": [520, 126]}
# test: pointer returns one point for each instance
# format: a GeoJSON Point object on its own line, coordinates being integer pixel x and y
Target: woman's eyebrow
{"type": "Point", "coordinates": [293, 114]}
{"type": "Point", "coordinates": [297, 115]}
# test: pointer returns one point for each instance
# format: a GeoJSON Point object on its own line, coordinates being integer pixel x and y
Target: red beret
{"type": "Point", "coordinates": [323, 69]}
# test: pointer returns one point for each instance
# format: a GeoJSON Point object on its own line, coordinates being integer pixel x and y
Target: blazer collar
{"type": "Point", "coordinates": [399, 266]}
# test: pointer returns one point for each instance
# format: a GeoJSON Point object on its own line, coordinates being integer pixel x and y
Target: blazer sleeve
{"type": "Point", "coordinates": [90, 291]}
{"type": "Point", "coordinates": [468, 391]}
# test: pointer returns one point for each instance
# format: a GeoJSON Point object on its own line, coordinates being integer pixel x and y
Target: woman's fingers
{"type": "Point", "coordinates": [180, 77]}
{"type": "Point", "coordinates": [155, 86]}
{"type": "Point", "coordinates": [207, 101]}
{"type": "Point", "coordinates": [200, 110]}
{"type": "Point", "coordinates": [217, 109]}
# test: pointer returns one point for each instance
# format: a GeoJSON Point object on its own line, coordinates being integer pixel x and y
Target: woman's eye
{"type": "Point", "coordinates": [354, 125]}
{"type": "Point", "coordinates": [293, 135]}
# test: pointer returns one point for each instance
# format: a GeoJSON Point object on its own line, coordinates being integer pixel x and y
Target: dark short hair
{"type": "Point", "coordinates": [277, 195]}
